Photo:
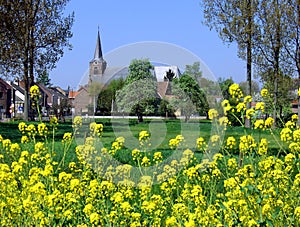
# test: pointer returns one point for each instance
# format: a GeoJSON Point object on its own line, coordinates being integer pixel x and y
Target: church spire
{"type": "Point", "coordinates": [98, 64]}
{"type": "Point", "coordinates": [98, 51]}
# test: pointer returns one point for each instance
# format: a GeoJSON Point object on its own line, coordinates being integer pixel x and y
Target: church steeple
{"type": "Point", "coordinates": [98, 50]}
{"type": "Point", "coordinates": [98, 64]}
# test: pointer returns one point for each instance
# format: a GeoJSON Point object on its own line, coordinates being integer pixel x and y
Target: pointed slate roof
{"type": "Point", "coordinates": [98, 50]}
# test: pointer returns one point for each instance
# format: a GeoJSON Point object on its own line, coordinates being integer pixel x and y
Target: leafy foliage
{"type": "Point", "coordinates": [139, 91]}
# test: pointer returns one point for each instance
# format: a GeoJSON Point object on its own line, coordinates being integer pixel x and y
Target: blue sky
{"type": "Point", "coordinates": [126, 22]}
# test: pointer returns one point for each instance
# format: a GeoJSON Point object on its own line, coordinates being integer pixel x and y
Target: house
{"type": "Point", "coordinates": [6, 107]}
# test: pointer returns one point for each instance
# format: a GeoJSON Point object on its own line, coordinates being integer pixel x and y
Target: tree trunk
{"type": "Point", "coordinates": [298, 55]}
{"type": "Point", "coordinates": [26, 91]}
{"type": "Point", "coordinates": [140, 118]}
{"type": "Point", "coordinates": [249, 57]}
{"type": "Point", "coordinates": [276, 61]}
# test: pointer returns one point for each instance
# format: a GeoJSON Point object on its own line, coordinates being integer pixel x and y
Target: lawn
{"type": "Point", "coordinates": [161, 132]}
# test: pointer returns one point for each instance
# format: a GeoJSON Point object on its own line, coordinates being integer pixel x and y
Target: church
{"type": "Point", "coordinates": [102, 73]}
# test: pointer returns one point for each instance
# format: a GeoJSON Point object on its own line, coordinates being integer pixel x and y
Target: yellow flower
{"type": "Point", "coordinates": [224, 121]}
{"type": "Point", "coordinates": [247, 99]}
{"type": "Point", "coordinates": [145, 161]}
{"type": "Point", "coordinates": [295, 117]}
{"type": "Point", "coordinates": [264, 92]}
{"type": "Point", "coordinates": [247, 143]}
{"type": "Point", "coordinates": [34, 91]}
{"type": "Point", "coordinates": [144, 135]}
{"type": "Point", "coordinates": [263, 147]}
{"type": "Point", "coordinates": [259, 124]}
{"type": "Point", "coordinates": [297, 211]}
{"type": "Point", "coordinates": [15, 147]}
{"type": "Point", "coordinates": [269, 122]}
{"type": "Point", "coordinates": [290, 124]}
{"type": "Point", "coordinates": [67, 137]}
{"type": "Point", "coordinates": [53, 121]}
{"type": "Point", "coordinates": [250, 113]}
{"type": "Point", "coordinates": [235, 91]}
{"type": "Point", "coordinates": [266, 209]}
{"type": "Point", "coordinates": [31, 130]}
{"type": "Point", "coordinates": [171, 221]}
{"type": "Point", "coordinates": [260, 106]}
{"type": "Point", "coordinates": [241, 107]}
{"type": "Point", "coordinates": [6, 144]}
{"type": "Point", "coordinates": [24, 139]}
{"type": "Point", "coordinates": [77, 122]}
{"type": "Point", "coordinates": [42, 129]}
{"type": "Point", "coordinates": [94, 218]}
{"type": "Point", "coordinates": [212, 114]}
{"type": "Point", "coordinates": [296, 135]}
{"type": "Point", "coordinates": [157, 157]}
{"type": "Point", "coordinates": [226, 106]}
{"type": "Point", "coordinates": [22, 127]}
{"type": "Point", "coordinates": [232, 163]}
{"type": "Point", "coordinates": [201, 144]}
{"type": "Point", "coordinates": [286, 134]}
{"type": "Point", "coordinates": [230, 142]}
{"type": "Point", "coordinates": [299, 92]}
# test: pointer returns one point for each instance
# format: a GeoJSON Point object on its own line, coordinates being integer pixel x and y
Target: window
{"type": "Point", "coordinates": [95, 70]}
{"type": "Point", "coordinates": [1, 95]}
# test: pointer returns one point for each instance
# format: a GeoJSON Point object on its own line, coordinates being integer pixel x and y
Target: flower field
{"type": "Point", "coordinates": [223, 182]}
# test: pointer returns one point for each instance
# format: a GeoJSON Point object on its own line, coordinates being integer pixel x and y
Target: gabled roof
{"type": "Point", "coordinates": [5, 84]}
{"type": "Point", "coordinates": [73, 94]}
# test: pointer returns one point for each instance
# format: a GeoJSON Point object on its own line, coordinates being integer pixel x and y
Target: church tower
{"type": "Point", "coordinates": [98, 64]}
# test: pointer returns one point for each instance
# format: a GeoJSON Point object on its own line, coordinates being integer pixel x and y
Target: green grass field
{"type": "Point", "coordinates": [161, 132]}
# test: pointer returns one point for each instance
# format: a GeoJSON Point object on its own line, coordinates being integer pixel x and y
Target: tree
{"type": "Point", "coordinates": [188, 96]}
{"type": "Point", "coordinates": [169, 75]}
{"type": "Point", "coordinates": [292, 40]}
{"type": "Point", "coordinates": [194, 71]}
{"type": "Point", "coordinates": [139, 92]}
{"type": "Point", "coordinates": [254, 86]}
{"type": "Point", "coordinates": [285, 88]}
{"type": "Point", "coordinates": [234, 20]}
{"type": "Point", "coordinates": [107, 96]}
{"type": "Point", "coordinates": [44, 79]}
{"type": "Point", "coordinates": [139, 69]}
{"type": "Point", "coordinates": [94, 89]}
{"type": "Point", "coordinates": [224, 85]}
{"type": "Point", "coordinates": [268, 50]}
{"type": "Point", "coordinates": [34, 34]}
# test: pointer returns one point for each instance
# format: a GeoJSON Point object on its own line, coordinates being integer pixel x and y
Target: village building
{"type": "Point", "coordinates": [102, 73]}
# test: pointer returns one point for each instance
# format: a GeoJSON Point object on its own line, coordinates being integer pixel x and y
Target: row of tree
{"type": "Point", "coordinates": [267, 34]}
{"type": "Point", "coordinates": [33, 34]}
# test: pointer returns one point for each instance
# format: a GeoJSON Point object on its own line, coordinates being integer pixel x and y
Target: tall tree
{"type": "Point", "coordinates": [33, 36]}
{"type": "Point", "coordinates": [188, 96]}
{"type": "Point", "coordinates": [194, 71]}
{"type": "Point", "coordinates": [234, 21]}
{"type": "Point", "coordinates": [139, 69]}
{"type": "Point", "coordinates": [139, 92]}
{"type": "Point", "coordinates": [292, 40]}
{"type": "Point", "coordinates": [268, 50]}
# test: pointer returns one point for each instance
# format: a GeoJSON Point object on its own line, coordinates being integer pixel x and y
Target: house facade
{"type": "Point", "coordinates": [5, 99]}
